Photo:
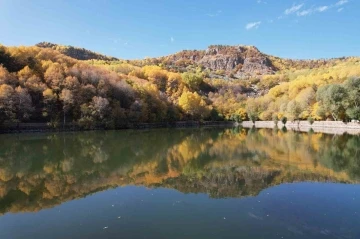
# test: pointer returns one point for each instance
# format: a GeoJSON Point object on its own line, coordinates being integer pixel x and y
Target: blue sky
{"type": "Point", "coordinates": [132, 29]}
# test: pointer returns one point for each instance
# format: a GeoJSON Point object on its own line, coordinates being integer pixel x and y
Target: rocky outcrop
{"type": "Point", "coordinates": [239, 61]}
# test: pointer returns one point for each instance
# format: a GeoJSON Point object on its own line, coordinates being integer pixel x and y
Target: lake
{"type": "Point", "coordinates": [180, 183]}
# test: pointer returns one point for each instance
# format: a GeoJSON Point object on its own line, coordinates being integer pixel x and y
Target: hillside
{"type": "Point", "coordinates": [56, 84]}
{"type": "Point", "coordinates": [220, 60]}
{"type": "Point", "coordinates": [235, 61]}
{"type": "Point", "coordinates": [76, 52]}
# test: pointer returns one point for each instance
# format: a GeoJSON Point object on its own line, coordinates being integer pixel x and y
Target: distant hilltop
{"type": "Point", "coordinates": [76, 52]}
{"type": "Point", "coordinates": [238, 61]}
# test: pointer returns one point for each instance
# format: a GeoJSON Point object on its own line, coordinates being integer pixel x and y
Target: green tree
{"type": "Point", "coordinates": [332, 100]}
{"type": "Point", "coordinates": [352, 87]}
{"type": "Point", "coordinates": [192, 80]}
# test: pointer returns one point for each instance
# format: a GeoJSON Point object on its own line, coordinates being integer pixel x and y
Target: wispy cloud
{"type": "Point", "coordinates": [252, 25]}
{"type": "Point", "coordinates": [312, 10]}
{"type": "Point", "coordinates": [214, 14]}
{"type": "Point", "coordinates": [293, 9]}
{"type": "Point", "coordinates": [301, 10]}
{"type": "Point", "coordinates": [172, 39]}
{"type": "Point", "coordinates": [341, 2]}
{"type": "Point", "coordinates": [261, 1]}
{"type": "Point", "coordinates": [322, 8]}
{"type": "Point", "coordinates": [304, 12]}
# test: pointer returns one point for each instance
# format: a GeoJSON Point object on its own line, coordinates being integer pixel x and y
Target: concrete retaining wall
{"type": "Point", "coordinates": [331, 127]}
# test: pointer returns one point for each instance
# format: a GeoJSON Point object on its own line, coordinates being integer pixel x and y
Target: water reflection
{"type": "Point", "coordinates": [40, 171]}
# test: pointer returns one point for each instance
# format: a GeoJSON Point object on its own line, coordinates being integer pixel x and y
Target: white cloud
{"type": "Point", "coordinates": [261, 1]}
{"type": "Point", "coordinates": [172, 39]}
{"type": "Point", "coordinates": [214, 14]}
{"type": "Point", "coordinates": [252, 25]}
{"type": "Point", "coordinates": [304, 13]}
{"type": "Point", "coordinates": [341, 2]}
{"type": "Point", "coordinates": [312, 10]}
{"type": "Point", "coordinates": [293, 9]}
{"type": "Point", "coordinates": [322, 8]}
{"type": "Point", "coordinates": [340, 9]}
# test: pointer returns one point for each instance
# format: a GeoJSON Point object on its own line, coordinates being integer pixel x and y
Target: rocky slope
{"type": "Point", "coordinates": [238, 61]}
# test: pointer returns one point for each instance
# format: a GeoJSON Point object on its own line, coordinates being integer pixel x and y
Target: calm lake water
{"type": "Point", "coordinates": [180, 183]}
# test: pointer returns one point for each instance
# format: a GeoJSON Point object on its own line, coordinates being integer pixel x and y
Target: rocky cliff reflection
{"type": "Point", "coordinates": [39, 171]}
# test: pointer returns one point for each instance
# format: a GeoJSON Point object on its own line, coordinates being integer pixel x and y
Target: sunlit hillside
{"type": "Point", "coordinates": [56, 84]}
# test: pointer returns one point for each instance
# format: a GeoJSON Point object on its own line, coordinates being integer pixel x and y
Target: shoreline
{"type": "Point", "coordinates": [328, 127]}
{"type": "Point", "coordinates": [44, 127]}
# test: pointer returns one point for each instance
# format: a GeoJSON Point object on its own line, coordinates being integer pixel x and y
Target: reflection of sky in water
{"type": "Point", "coordinates": [301, 210]}
{"type": "Point", "coordinates": [266, 184]}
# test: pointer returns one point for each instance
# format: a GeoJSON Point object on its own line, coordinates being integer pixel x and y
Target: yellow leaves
{"type": "Point", "coordinates": [279, 90]}
{"type": "Point", "coordinates": [25, 73]}
{"type": "Point", "coordinates": [189, 101]}
{"type": "Point", "coordinates": [154, 72]}
{"type": "Point", "coordinates": [314, 111]}
{"type": "Point", "coordinates": [156, 75]}
{"type": "Point", "coordinates": [280, 115]}
{"type": "Point", "coordinates": [242, 113]}
{"type": "Point", "coordinates": [173, 76]}
{"type": "Point", "coordinates": [193, 104]}
{"type": "Point", "coordinates": [55, 76]}
{"type": "Point", "coordinates": [6, 91]}
{"type": "Point", "coordinates": [6, 77]}
{"type": "Point", "coordinates": [49, 95]}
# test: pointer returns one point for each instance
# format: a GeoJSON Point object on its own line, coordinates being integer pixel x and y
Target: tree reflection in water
{"type": "Point", "coordinates": [43, 170]}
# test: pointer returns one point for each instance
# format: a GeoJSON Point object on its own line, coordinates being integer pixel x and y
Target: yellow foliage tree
{"type": "Point", "coordinates": [193, 104]}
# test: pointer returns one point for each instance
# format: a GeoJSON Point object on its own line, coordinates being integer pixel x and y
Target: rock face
{"type": "Point", "coordinates": [240, 61]}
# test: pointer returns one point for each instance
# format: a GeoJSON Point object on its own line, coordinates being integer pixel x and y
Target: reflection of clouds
{"type": "Point", "coordinates": [5, 174]}
{"type": "Point", "coordinates": [100, 156]}
{"type": "Point", "coordinates": [67, 164]}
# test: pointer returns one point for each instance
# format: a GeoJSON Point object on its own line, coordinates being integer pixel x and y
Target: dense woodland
{"type": "Point", "coordinates": [40, 84]}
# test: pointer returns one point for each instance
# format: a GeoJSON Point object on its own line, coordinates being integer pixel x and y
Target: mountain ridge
{"type": "Point", "coordinates": [235, 61]}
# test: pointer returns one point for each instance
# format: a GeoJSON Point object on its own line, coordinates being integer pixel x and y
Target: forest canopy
{"type": "Point", "coordinates": [42, 84]}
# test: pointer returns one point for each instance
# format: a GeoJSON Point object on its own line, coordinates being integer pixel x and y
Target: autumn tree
{"type": "Point", "coordinates": [352, 87]}
{"type": "Point", "coordinates": [332, 100]}
{"type": "Point", "coordinates": [67, 99]}
{"type": "Point", "coordinates": [293, 110]}
{"type": "Point", "coordinates": [194, 105]}
{"type": "Point", "coordinates": [253, 109]}
{"type": "Point", "coordinates": [50, 106]}
{"type": "Point", "coordinates": [55, 76]}
{"type": "Point", "coordinates": [7, 103]}
{"type": "Point", "coordinates": [192, 80]}
{"type": "Point", "coordinates": [24, 104]}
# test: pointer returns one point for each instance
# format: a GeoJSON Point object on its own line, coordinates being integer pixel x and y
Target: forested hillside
{"type": "Point", "coordinates": [54, 84]}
